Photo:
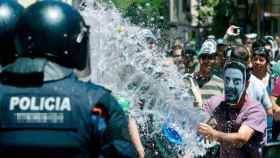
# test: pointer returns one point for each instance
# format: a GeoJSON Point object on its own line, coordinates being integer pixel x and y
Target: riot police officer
{"type": "Point", "coordinates": [45, 110]}
{"type": "Point", "coordinates": [9, 14]}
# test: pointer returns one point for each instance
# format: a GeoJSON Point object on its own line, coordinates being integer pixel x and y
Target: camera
{"type": "Point", "coordinates": [236, 30]}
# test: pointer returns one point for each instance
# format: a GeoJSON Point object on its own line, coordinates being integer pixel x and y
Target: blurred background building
{"type": "Point", "coordinates": [203, 17]}
{"type": "Point", "coordinates": [271, 15]}
{"type": "Point", "coordinates": [183, 19]}
{"type": "Point", "coordinates": [194, 20]}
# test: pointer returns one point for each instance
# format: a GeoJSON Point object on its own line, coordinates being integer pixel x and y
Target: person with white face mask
{"type": "Point", "coordinates": [241, 121]}
{"type": "Point", "coordinates": [256, 89]}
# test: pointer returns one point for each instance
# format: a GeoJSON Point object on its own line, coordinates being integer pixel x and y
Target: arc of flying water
{"type": "Point", "coordinates": [122, 62]}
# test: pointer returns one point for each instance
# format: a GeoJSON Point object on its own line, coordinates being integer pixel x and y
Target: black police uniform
{"type": "Point", "coordinates": [44, 110]}
{"type": "Point", "coordinates": [54, 118]}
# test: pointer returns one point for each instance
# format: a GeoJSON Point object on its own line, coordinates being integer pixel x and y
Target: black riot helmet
{"type": "Point", "coordinates": [53, 30]}
{"type": "Point", "coordinates": [10, 11]}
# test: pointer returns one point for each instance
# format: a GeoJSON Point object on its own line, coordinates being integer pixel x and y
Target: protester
{"type": "Point", "coordinates": [277, 52]}
{"type": "Point", "coordinates": [190, 61]}
{"type": "Point", "coordinates": [261, 66]}
{"type": "Point", "coordinates": [261, 75]}
{"type": "Point", "coordinates": [241, 121]}
{"type": "Point", "coordinates": [42, 98]}
{"type": "Point", "coordinates": [232, 35]}
{"type": "Point", "coordinates": [132, 127]}
{"type": "Point", "coordinates": [256, 89]}
{"type": "Point", "coordinates": [219, 67]}
{"type": "Point", "coordinates": [190, 64]}
{"type": "Point", "coordinates": [276, 110]}
{"type": "Point", "coordinates": [150, 38]}
{"type": "Point", "coordinates": [175, 56]}
{"type": "Point", "coordinates": [272, 46]}
{"type": "Point", "coordinates": [248, 41]}
{"type": "Point", "coordinates": [275, 99]}
{"type": "Point", "coordinates": [209, 84]}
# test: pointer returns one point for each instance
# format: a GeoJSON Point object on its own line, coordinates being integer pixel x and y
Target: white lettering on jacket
{"type": "Point", "coordinates": [40, 103]}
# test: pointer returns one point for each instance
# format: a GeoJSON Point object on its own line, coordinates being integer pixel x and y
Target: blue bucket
{"type": "Point", "coordinates": [168, 142]}
{"type": "Point", "coordinates": [172, 135]}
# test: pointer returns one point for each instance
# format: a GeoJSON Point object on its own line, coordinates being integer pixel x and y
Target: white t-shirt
{"type": "Point", "coordinates": [257, 91]}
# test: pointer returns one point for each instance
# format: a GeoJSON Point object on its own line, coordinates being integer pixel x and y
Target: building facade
{"type": "Point", "coordinates": [271, 15]}
{"type": "Point", "coordinates": [183, 20]}
{"type": "Point", "coordinates": [259, 16]}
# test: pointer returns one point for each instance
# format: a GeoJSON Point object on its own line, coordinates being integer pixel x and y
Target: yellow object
{"type": "Point", "coordinates": [26, 3]}
{"type": "Point", "coordinates": [120, 29]}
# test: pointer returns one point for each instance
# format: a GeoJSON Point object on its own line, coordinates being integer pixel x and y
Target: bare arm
{"type": "Point", "coordinates": [135, 137]}
{"type": "Point", "coordinates": [237, 139]}
{"type": "Point", "coordinates": [268, 103]}
{"type": "Point", "coordinates": [275, 108]}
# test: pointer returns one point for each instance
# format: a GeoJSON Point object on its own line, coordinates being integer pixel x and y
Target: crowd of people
{"type": "Point", "coordinates": [47, 111]}
{"type": "Point", "coordinates": [237, 81]}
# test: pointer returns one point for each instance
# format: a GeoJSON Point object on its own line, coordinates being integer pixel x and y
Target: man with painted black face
{"type": "Point", "coordinates": [241, 121]}
{"type": "Point", "coordinates": [45, 110]}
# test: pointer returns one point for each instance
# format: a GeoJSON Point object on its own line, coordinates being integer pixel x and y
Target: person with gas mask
{"type": "Point", "coordinates": [45, 110]}
{"type": "Point", "coordinates": [10, 12]}
{"type": "Point", "coordinates": [241, 121]}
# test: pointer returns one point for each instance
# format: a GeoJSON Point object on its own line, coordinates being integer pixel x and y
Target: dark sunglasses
{"type": "Point", "coordinates": [176, 47]}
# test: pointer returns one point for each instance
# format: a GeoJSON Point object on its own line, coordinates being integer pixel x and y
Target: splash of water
{"type": "Point", "coordinates": [122, 62]}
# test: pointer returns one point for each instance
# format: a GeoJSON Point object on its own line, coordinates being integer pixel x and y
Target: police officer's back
{"type": "Point", "coordinates": [45, 110]}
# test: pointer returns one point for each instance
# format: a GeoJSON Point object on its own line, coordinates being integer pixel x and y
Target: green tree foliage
{"type": "Point", "coordinates": [226, 14]}
{"type": "Point", "coordinates": [122, 4]}
{"type": "Point", "coordinates": [206, 10]}
{"type": "Point", "coordinates": [148, 13]}
{"type": "Point", "coordinates": [216, 15]}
